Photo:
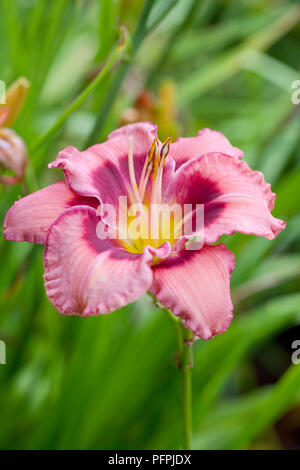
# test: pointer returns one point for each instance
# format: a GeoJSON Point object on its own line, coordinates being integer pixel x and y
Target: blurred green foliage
{"type": "Point", "coordinates": [111, 382]}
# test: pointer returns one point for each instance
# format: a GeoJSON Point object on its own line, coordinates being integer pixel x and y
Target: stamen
{"type": "Point", "coordinates": [131, 170]}
{"type": "Point", "coordinates": [142, 187]}
{"type": "Point", "coordinates": [153, 165]}
{"type": "Point", "coordinates": [153, 149]}
{"type": "Point", "coordinates": [163, 156]}
{"type": "Point", "coordinates": [155, 161]}
{"type": "Point", "coordinates": [155, 200]}
{"type": "Point", "coordinates": [134, 186]}
{"type": "Point", "coordinates": [148, 166]}
{"type": "Point", "coordinates": [164, 151]}
{"type": "Point", "coordinates": [148, 161]}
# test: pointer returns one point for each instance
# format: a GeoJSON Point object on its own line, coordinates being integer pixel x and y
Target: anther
{"type": "Point", "coordinates": [165, 150]}
{"type": "Point", "coordinates": [155, 160]}
{"type": "Point", "coordinates": [152, 151]}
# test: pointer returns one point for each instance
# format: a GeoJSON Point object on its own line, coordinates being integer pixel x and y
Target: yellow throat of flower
{"type": "Point", "coordinates": [149, 221]}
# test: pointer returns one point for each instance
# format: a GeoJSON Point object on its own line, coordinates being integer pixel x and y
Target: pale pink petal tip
{"type": "Point", "coordinates": [30, 218]}
{"type": "Point", "coordinates": [206, 141]}
{"type": "Point", "coordinates": [218, 140]}
{"type": "Point", "coordinates": [138, 128]}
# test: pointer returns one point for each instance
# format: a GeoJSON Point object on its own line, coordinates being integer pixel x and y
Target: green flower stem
{"type": "Point", "coordinates": [184, 364]}
{"type": "Point", "coordinates": [79, 100]}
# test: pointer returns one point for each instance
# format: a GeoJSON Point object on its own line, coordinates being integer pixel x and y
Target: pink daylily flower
{"type": "Point", "coordinates": [86, 275]}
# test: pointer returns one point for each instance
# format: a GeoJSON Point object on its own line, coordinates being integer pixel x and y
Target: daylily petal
{"type": "Point", "coordinates": [29, 219]}
{"type": "Point", "coordinates": [207, 140]}
{"type": "Point", "coordinates": [195, 285]}
{"type": "Point", "coordinates": [139, 129]}
{"type": "Point", "coordinates": [88, 276]}
{"type": "Point", "coordinates": [235, 198]}
{"type": "Point", "coordinates": [102, 170]}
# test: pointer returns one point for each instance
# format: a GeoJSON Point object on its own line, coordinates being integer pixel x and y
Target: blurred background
{"type": "Point", "coordinates": [111, 382]}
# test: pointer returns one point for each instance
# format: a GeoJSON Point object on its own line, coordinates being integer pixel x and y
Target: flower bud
{"type": "Point", "coordinates": [13, 155]}
{"type": "Point", "coordinates": [4, 112]}
{"type": "Point", "coordinates": [15, 97]}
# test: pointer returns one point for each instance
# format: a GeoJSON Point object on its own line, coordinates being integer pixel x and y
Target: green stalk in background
{"type": "Point", "coordinates": [80, 98]}
{"type": "Point", "coordinates": [226, 65]}
{"type": "Point", "coordinates": [115, 86]}
{"type": "Point", "coordinates": [279, 401]}
{"type": "Point", "coordinates": [14, 34]}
